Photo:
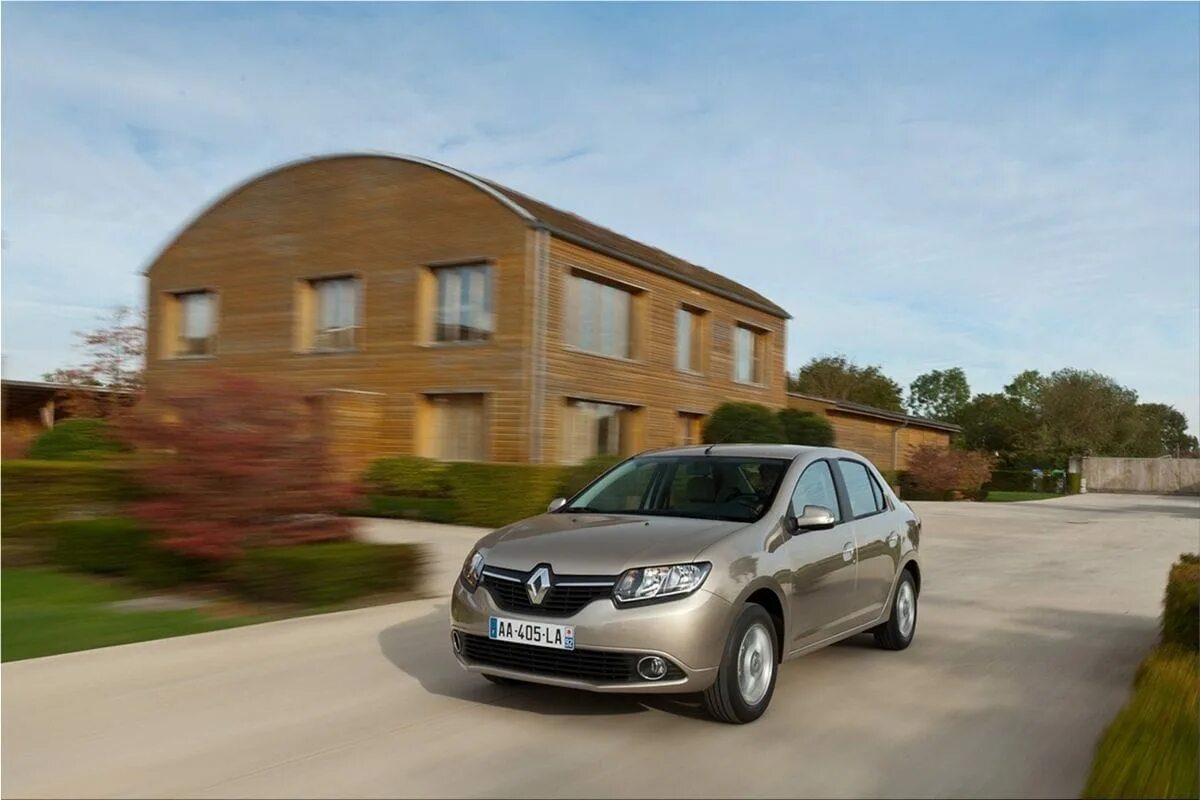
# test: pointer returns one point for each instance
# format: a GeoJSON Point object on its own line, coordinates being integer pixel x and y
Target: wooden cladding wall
{"type": "Point", "coordinates": [382, 221]}
{"type": "Point", "coordinates": [648, 381]}
{"type": "Point", "coordinates": [887, 443]}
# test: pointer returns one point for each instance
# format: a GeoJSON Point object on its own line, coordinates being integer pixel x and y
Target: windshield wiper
{"type": "Point", "coordinates": [581, 510]}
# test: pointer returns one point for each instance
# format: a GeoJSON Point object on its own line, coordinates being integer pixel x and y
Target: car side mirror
{"type": "Point", "coordinates": [556, 504]}
{"type": "Point", "coordinates": [814, 518]}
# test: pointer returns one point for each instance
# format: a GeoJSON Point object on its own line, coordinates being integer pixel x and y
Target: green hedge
{"type": "Point", "coordinates": [1150, 749]}
{"type": "Point", "coordinates": [326, 573]}
{"type": "Point", "coordinates": [37, 492]}
{"type": "Point", "coordinates": [1181, 603]}
{"type": "Point", "coordinates": [77, 440]}
{"type": "Point", "coordinates": [119, 546]}
{"type": "Point", "coordinates": [488, 495]}
{"type": "Point", "coordinates": [806, 427]}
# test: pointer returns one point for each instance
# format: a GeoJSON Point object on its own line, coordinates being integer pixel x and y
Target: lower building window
{"type": "Point", "coordinates": [690, 427]}
{"type": "Point", "coordinates": [458, 430]}
{"type": "Point", "coordinates": [595, 429]}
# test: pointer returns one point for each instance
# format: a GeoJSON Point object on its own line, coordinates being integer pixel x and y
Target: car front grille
{"type": "Point", "coordinates": [561, 601]}
{"type": "Point", "coordinates": [590, 665]}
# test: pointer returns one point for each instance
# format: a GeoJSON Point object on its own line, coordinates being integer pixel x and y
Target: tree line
{"type": "Point", "coordinates": [1036, 420]}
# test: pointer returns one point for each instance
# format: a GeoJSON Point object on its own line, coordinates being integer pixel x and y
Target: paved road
{"type": "Point", "coordinates": [1033, 619]}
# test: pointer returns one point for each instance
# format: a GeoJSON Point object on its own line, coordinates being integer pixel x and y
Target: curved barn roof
{"type": "Point", "coordinates": [565, 225]}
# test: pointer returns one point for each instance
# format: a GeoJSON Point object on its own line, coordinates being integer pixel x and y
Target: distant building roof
{"type": "Point", "coordinates": [847, 407]}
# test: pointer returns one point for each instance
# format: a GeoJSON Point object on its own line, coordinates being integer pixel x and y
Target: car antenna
{"type": "Point", "coordinates": [730, 432]}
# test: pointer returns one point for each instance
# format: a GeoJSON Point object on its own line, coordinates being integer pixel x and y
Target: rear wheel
{"type": "Point", "coordinates": [897, 633]}
{"type": "Point", "coordinates": [746, 677]}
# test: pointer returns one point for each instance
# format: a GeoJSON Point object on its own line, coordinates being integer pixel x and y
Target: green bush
{"type": "Point", "coordinates": [575, 478]}
{"type": "Point", "coordinates": [326, 573]}
{"type": "Point", "coordinates": [36, 492]}
{"type": "Point", "coordinates": [76, 440]}
{"type": "Point", "coordinates": [408, 476]}
{"type": "Point", "coordinates": [806, 427]}
{"type": "Point", "coordinates": [119, 546]}
{"type": "Point", "coordinates": [492, 495]}
{"type": "Point", "coordinates": [1150, 749]}
{"type": "Point", "coordinates": [743, 422]}
{"type": "Point", "coordinates": [896, 479]}
{"type": "Point", "coordinates": [1181, 603]}
{"type": "Point", "coordinates": [431, 509]}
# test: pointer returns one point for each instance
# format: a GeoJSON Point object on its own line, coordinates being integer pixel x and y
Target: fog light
{"type": "Point", "coordinates": [652, 668]}
{"type": "Point", "coordinates": [456, 641]}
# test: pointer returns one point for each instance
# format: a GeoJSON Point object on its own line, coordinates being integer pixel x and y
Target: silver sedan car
{"type": "Point", "coordinates": [693, 570]}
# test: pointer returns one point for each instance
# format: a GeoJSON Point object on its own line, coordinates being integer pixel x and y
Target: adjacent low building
{"type": "Point", "coordinates": [427, 311]}
{"type": "Point", "coordinates": [885, 437]}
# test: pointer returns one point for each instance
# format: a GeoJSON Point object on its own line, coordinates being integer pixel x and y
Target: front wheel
{"type": "Point", "coordinates": [746, 678]}
{"type": "Point", "coordinates": [897, 633]}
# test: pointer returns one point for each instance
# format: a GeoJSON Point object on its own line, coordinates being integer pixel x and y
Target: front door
{"type": "Point", "coordinates": [822, 596]}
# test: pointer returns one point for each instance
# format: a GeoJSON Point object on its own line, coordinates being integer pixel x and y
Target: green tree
{"type": "Point", "coordinates": [1026, 388]}
{"type": "Point", "coordinates": [743, 422]}
{"type": "Point", "coordinates": [940, 394]}
{"type": "Point", "coordinates": [1162, 432]}
{"type": "Point", "coordinates": [806, 427]}
{"type": "Point", "coordinates": [1085, 413]}
{"type": "Point", "coordinates": [998, 424]}
{"type": "Point", "coordinates": [838, 378]}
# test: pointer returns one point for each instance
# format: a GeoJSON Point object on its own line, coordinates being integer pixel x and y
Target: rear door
{"type": "Point", "coordinates": [875, 536]}
{"type": "Point", "coordinates": [823, 596]}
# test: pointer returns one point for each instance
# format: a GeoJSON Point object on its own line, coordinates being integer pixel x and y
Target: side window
{"type": "Point", "coordinates": [815, 488]}
{"type": "Point", "coordinates": [864, 494]}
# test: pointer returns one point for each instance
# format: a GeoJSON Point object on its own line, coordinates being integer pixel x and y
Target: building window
{"type": "Point", "coordinates": [595, 429]}
{"type": "Point", "coordinates": [749, 353]}
{"type": "Point", "coordinates": [689, 339]}
{"type": "Point", "coordinates": [194, 323]}
{"type": "Point", "coordinates": [335, 317]}
{"type": "Point", "coordinates": [690, 427]}
{"type": "Point", "coordinates": [599, 317]}
{"type": "Point", "coordinates": [458, 430]}
{"type": "Point", "coordinates": [464, 304]}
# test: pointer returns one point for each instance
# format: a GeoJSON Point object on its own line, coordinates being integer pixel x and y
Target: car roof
{"type": "Point", "coordinates": [746, 450]}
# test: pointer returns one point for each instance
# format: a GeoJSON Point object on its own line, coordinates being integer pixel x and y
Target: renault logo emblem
{"type": "Point", "coordinates": [537, 585]}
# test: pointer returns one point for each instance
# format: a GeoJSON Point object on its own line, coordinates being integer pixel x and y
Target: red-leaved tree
{"type": "Point", "coordinates": [110, 378]}
{"type": "Point", "coordinates": [945, 470]}
{"type": "Point", "coordinates": [234, 465]}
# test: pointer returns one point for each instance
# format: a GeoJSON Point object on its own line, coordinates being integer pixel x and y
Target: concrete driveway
{"type": "Point", "coordinates": [1033, 619]}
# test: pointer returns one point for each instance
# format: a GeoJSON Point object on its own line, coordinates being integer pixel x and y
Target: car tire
{"type": "Point", "coordinates": [500, 680]}
{"type": "Point", "coordinates": [898, 632]}
{"type": "Point", "coordinates": [742, 692]}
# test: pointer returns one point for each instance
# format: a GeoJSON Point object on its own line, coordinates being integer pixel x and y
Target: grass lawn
{"type": "Point", "coordinates": [47, 611]}
{"type": "Point", "coordinates": [1012, 497]}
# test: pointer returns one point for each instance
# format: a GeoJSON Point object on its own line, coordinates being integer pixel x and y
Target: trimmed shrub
{"type": "Point", "coordinates": [942, 473]}
{"type": "Point", "coordinates": [1181, 603]}
{"type": "Point", "coordinates": [492, 495]}
{"type": "Point", "coordinates": [431, 509]}
{"type": "Point", "coordinates": [36, 492]}
{"type": "Point", "coordinates": [575, 478]}
{"type": "Point", "coordinates": [119, 546]}
{"type": "Point", "coordinates": [806, 427]}
{"type": "Point", "coordinates": [408, 476]}
{"type": "Point", "coordinates": [326, 573]}
{"type": "Point", "coordinates": [1150, 749]}
{"type": "Point", "coordinates": [77, 440]}
{"type": "Point", "coordinates": [743, 422]}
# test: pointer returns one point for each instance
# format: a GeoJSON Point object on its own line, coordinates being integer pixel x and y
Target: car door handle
{"type": "Point", "coordinates": [893, 539]}
{"type": "Point", "coordinates": [848, 551]}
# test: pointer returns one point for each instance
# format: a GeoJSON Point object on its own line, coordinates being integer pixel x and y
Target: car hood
{"type": "Point", "coordinates": [601, 544]}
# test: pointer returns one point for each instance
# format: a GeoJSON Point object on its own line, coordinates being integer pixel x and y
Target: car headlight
{"type": "Point", "coordinates": [653, 583]}
{"type": "Point", "coordinates": [472, 568]}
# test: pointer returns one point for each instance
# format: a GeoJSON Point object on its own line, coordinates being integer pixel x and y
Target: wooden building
{"type": "Point", "coordinates": [427, 311]}
{"type": "Point", "coordinates": [885, 437]}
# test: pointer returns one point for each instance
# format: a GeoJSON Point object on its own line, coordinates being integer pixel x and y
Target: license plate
{"type": "Point", "coordinates": [539, 634]}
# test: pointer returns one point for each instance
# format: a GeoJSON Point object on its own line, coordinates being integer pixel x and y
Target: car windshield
{"type": "Point", "coordinates": [705, 487]}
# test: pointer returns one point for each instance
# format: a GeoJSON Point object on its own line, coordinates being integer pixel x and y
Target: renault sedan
{"type": "Point", "coordinates": [693, 570]}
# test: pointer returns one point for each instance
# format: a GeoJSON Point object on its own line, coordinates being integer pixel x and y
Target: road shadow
{"type": "Point", "coordinates": [421, 648]}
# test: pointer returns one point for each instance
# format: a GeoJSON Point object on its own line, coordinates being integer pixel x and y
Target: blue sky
{"type": "Point", "coordinates": [997, 187]}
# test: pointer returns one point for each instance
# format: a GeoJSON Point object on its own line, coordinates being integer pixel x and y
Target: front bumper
{"type": "Point", "coordinates": [689, 632]}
